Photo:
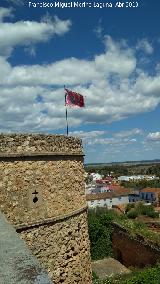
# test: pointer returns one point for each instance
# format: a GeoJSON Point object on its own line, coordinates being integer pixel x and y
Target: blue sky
{"type": "Point", "coordinates": [109, 55]}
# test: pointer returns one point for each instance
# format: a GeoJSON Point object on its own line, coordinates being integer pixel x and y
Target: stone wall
{"type": "Point", "coordinates": [42, 194]}
{"type": "Point", "coordinates": [66, 248]}
{"type": "Point", "coordinates": [133, 251]}
{"type": "Point", "coordinates": [59, 185]}
{"type": "Point", "coordinates": [38, 144]}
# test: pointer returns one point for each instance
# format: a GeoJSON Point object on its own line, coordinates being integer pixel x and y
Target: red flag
{"type": "Point", "coordinates": [74, 99]}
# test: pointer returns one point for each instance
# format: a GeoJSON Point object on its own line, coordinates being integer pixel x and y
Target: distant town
{"type": "Point", "coordinates": [115, 186]}
{"type": "Point", "coordinates": [124, 221]}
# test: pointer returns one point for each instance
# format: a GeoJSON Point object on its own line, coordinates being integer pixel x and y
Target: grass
{"type": "Point", "coordinates": [136, 228]}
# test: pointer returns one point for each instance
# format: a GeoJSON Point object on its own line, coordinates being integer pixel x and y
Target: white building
{"type": "Point", "coordinates": [96, 176]}
{"type": "Point", "coordinates": [89, 188]}
{"type": "Point", "coordinates": [94, 187]}
{"type": "Point", "coordinates": [108, 199]}
{"type": "Point", "coordinates": [136, 177]}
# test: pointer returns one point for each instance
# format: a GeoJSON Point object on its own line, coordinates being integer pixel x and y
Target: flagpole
{"type": "Point", "coordinates": [66, 112]}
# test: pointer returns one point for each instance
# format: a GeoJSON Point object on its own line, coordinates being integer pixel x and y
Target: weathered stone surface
{"type": "Point", "coordinates": [63, 249]}
{"type": "Point", "coordinates": [60, 184]}
{"type": "Point", "coordinates": [39, 143]}
{"type": "Point", "coordinates": [40, 193]}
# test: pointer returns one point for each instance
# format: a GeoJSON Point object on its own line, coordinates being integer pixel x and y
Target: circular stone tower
{"type": "Point", "coordinates": [42, 195]}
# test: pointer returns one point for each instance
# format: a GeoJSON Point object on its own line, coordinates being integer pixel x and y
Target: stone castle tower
{"type": "Point", "coordinates": [42, 195]}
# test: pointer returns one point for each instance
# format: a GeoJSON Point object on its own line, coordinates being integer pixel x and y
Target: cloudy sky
{"type": "Point", "coordinates": [109, 55]}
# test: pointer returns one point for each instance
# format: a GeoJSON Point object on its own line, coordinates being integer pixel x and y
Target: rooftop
{"type": "Point", "coordinates": [106, 195]}
{"type": "Point", "coordinates": [149, 189]}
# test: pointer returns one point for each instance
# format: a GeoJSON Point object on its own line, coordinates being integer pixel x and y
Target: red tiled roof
{"type": "Point", "coordinates": [149, 189]}
{"type": "Point", "coordinates": [99, 181]}
{"type": "Point", "coordinates": [115, 187]}
{"type": "Point", "coordinates": [107, 179]}
{"type": "Point", "coordinates": [107, 195]}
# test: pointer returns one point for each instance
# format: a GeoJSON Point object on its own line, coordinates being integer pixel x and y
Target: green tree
{"type": "Point", "coordinates": [100, 229]}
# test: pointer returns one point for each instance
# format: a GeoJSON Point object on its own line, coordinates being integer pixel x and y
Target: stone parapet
{"type": "Point", "coordinates": [39, 143]}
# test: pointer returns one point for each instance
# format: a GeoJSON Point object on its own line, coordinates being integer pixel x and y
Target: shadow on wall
{"type": "Point", "coordinates": [133, 252]}
{"type": "Point", "coordinates": [118, 255]}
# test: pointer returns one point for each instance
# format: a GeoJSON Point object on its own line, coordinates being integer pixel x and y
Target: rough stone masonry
{"type": "Point", "coordinates": [42, 195]}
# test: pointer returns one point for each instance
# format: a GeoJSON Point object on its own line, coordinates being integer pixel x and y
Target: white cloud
{"type": "Point", "coordinates": [72, 71]}
{"type": "Point", "coordinates": [88, 135]}
{"type": "Point", "coordinates": [106, 101]}
{"type": "Point", "coordinates": [106, 82]}
{"type": "Point", "coordinates": [158, 68]}
{"type": "Point", "coordinates": [5, 12]}
{"type": "Point", "coordinates": [23, 109]}
{"type": "Point", "coordinates": [5, 69]}
{"type": "Point", "coordinates": [145, 46]}
{"type": "Point", "coordinates": [27, 33]}
{"type": "Point", "coordinates": [99, 29]}
{"type": "Point", "coordinates": [116, 59]}
{"type": "Point", "coordinates": [148, 85]}
{"type": "Point", "coordinates": [112, 141]}
{"type": "Point", "coordinates": [117, 140]}
{"type": "Point", "coordinates": [154, 136]}
{"type": "Point", "coordinates": [128, 133]}
{"type": "Point", "coordinates": [114, 62]}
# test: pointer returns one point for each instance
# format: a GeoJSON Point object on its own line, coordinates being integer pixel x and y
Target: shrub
{"type": "Point", "coordinates": [146, 276]}
{"type": "Point", "coordinates": [152, 214]}
{"type": "Point", "coordinates": [129, 207]}
{"type": "Point", "coordinates": [143, 209]}
{"type": "Point", "coordinates": [94, 276]}
{"type": "Point", "coordinates": [132, 214]}
{"type": "Point", "coordinates": [100, 229]}
{"type": "Point", "coordinates": [139, 225]}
